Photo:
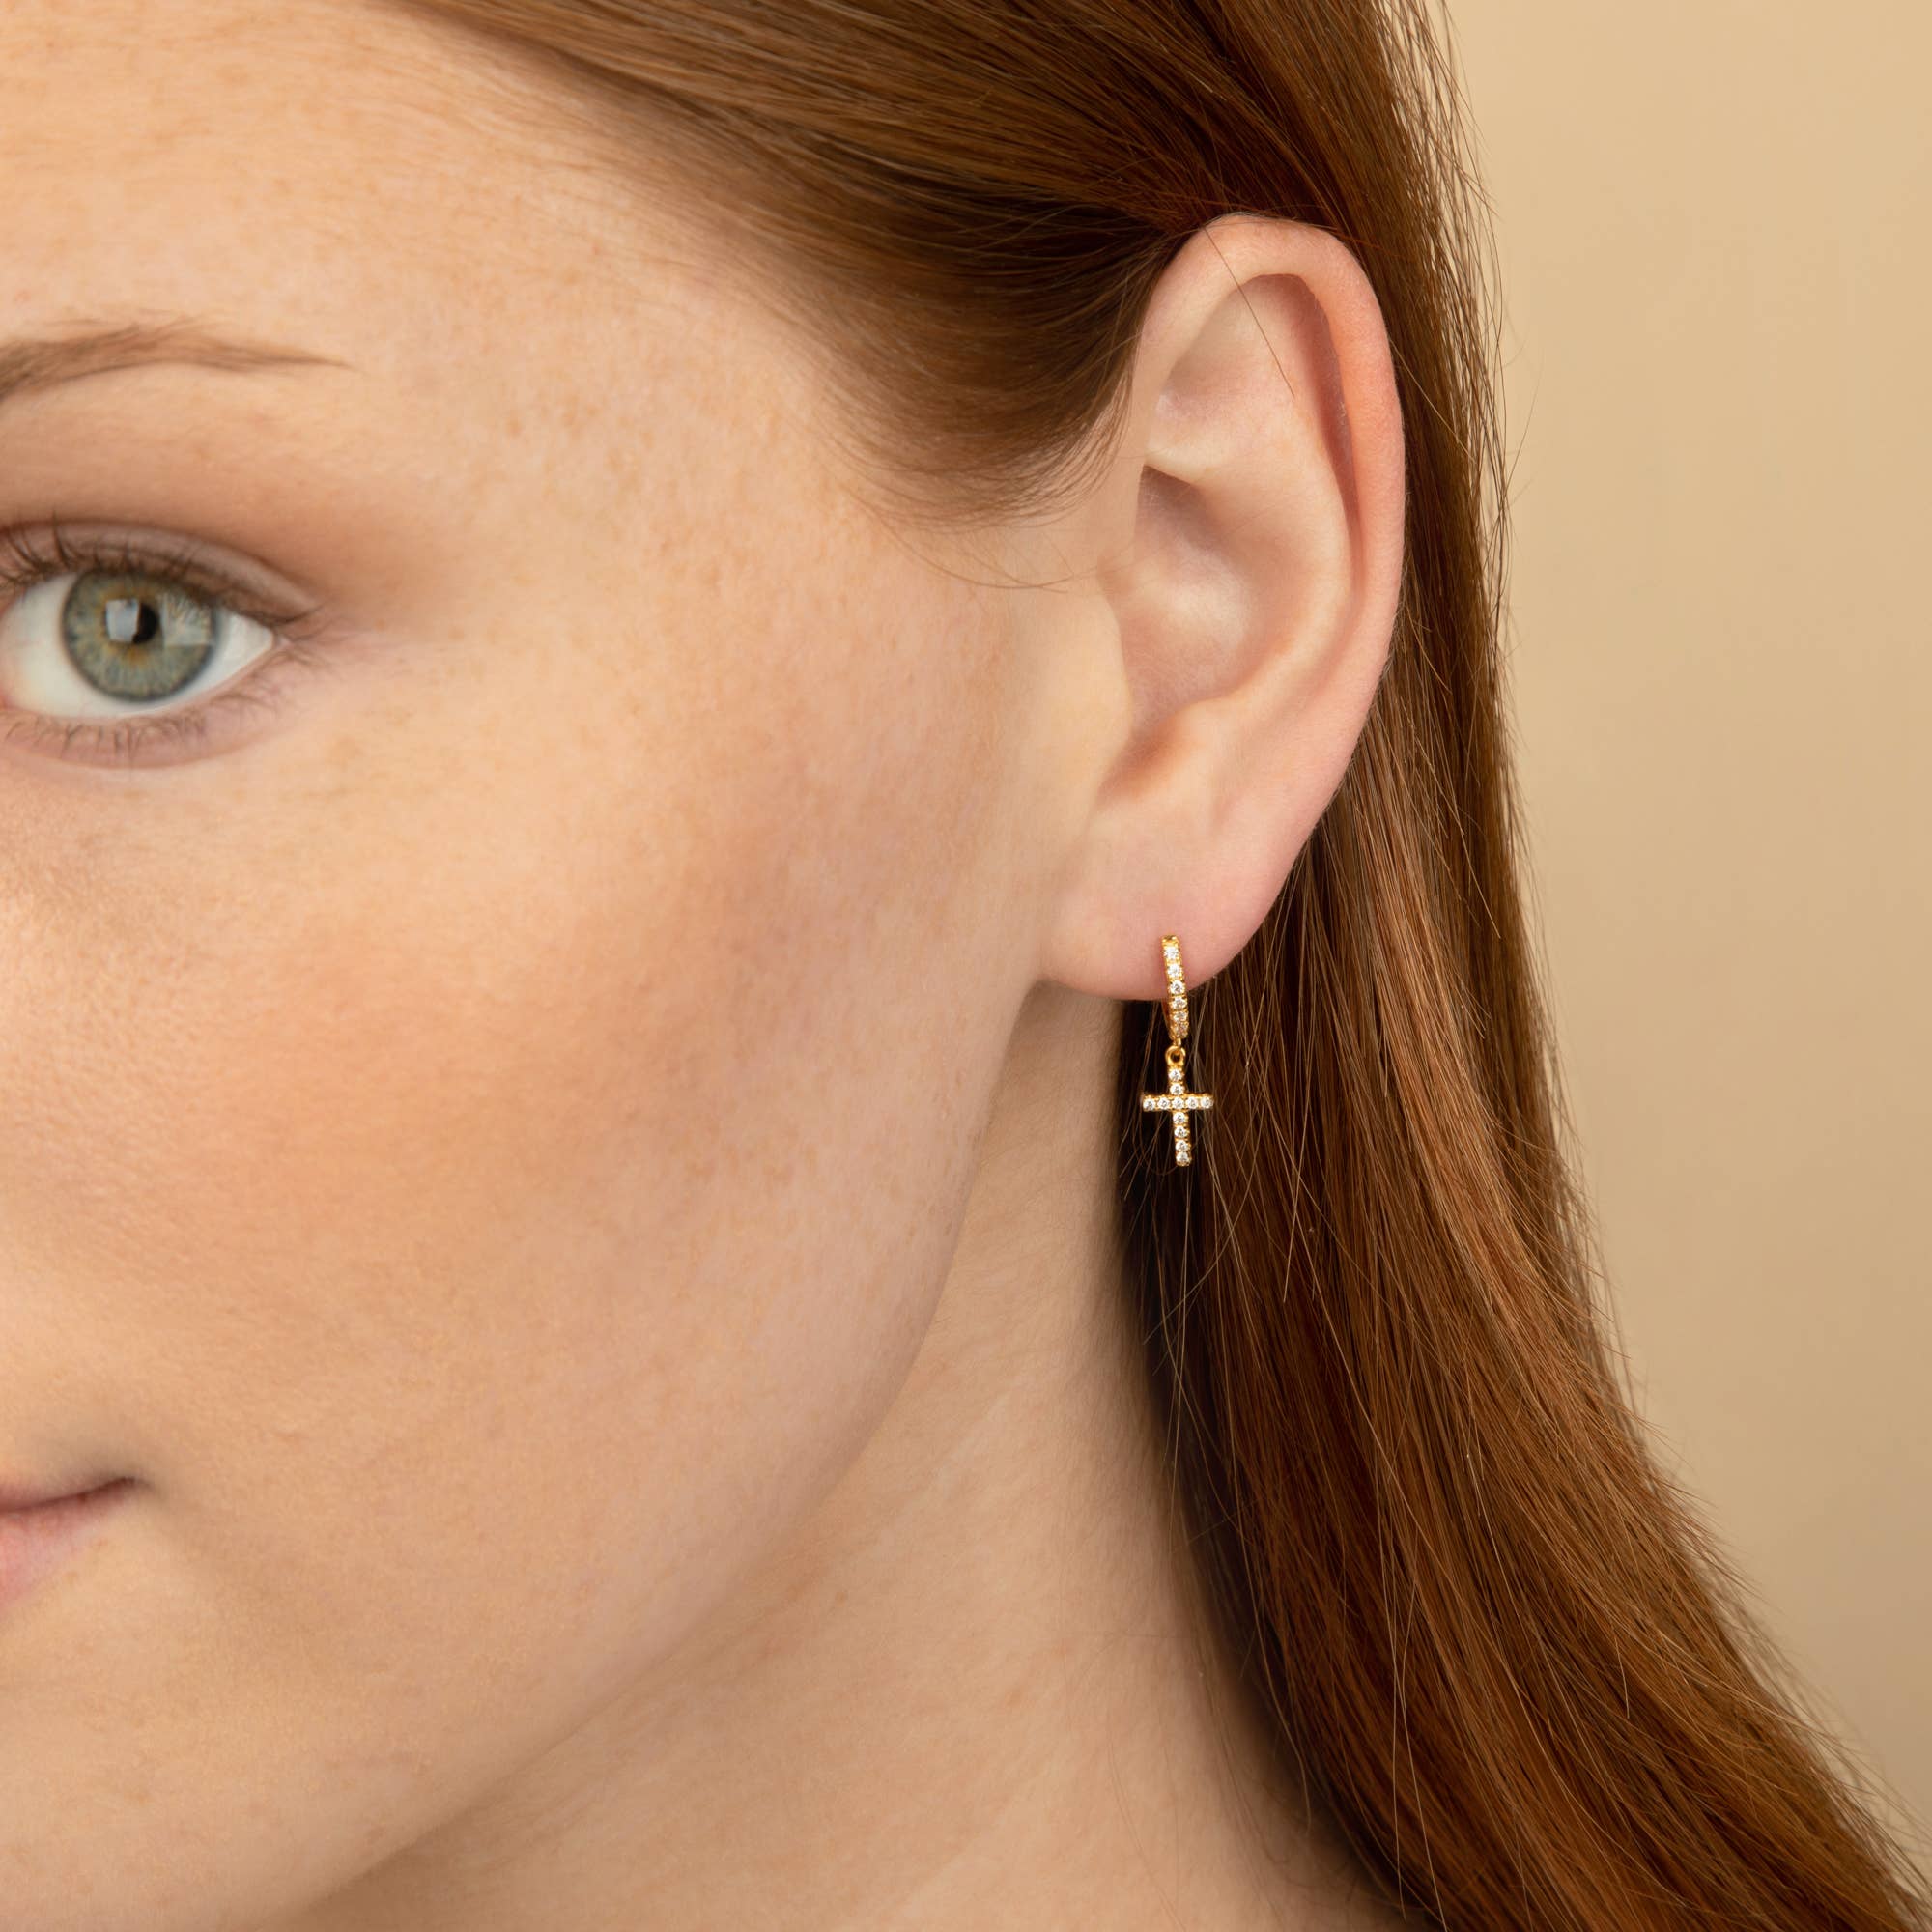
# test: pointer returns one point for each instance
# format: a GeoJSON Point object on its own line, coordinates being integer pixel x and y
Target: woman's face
{"type": "Point", "coordinates": [481, 1134]}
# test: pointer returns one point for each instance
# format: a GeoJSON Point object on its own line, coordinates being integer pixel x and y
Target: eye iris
{"type": "Point", "coordinates": [132, 637]}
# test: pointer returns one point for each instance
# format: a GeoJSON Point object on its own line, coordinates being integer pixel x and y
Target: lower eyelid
{"type": "Point", "coordinates": [260, 687]}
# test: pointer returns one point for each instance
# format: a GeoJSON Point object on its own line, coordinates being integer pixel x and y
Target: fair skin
{"type": "Point", "coordinates": [572, 1159]}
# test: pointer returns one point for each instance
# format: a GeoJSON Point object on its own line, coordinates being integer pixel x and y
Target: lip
{"type": "Point", "coordinates": [18, 1496]}
{"type": "Point", "coordinates": [37, 1536]}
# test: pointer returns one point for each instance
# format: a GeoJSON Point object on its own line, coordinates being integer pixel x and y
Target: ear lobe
{"type": "Point", "coordinates": [1250, 532]}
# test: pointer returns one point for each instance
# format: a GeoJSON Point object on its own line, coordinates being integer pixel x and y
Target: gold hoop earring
{"type": "Point", "coordinates": [1176, 1103]}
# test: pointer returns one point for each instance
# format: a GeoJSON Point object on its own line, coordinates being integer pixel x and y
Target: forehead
{"type": "Point", "coordinates": [348, 175]}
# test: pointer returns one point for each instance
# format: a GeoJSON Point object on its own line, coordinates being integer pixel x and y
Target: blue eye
{"type": "Point", "coordinates": [97, 630]}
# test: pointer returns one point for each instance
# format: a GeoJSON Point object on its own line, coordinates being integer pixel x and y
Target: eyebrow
{"type": "Point", "coordinates": [31, 362]}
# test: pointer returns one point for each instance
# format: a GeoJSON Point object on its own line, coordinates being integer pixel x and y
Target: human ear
{"type": "Point", "coordinates": [1250, 532]}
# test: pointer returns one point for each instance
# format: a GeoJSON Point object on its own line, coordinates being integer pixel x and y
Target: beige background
{"type": "Point", "coordinates": [1716, 266]}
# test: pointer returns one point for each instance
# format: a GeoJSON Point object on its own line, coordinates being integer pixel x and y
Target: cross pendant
{"type": "Point", "coordinates": [1179, 1102]}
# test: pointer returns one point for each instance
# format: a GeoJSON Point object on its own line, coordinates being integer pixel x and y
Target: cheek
{"type": "Point", "coordinates": [488, 1196]}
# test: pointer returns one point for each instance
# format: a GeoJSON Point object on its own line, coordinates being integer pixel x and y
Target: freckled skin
{"type": "Point", "coordinates": [494, 1151]}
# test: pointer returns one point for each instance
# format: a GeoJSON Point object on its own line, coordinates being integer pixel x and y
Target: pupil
{"type": "Point", "coordinates": [131, 620]}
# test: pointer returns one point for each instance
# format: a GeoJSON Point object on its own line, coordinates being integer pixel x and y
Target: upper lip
{"type": "Point", "coordinates": [23, 1495]}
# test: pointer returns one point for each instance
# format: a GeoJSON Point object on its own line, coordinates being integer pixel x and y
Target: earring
{"type": "Point", "coordinates": [1177, 1102]}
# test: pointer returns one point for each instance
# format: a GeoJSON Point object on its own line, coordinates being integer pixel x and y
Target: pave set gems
{"type": "Point", "coordinates": [1176, 1103]}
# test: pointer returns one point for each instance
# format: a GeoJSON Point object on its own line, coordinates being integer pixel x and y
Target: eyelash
{"type": "Point", "coordinates": [27, 561]}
